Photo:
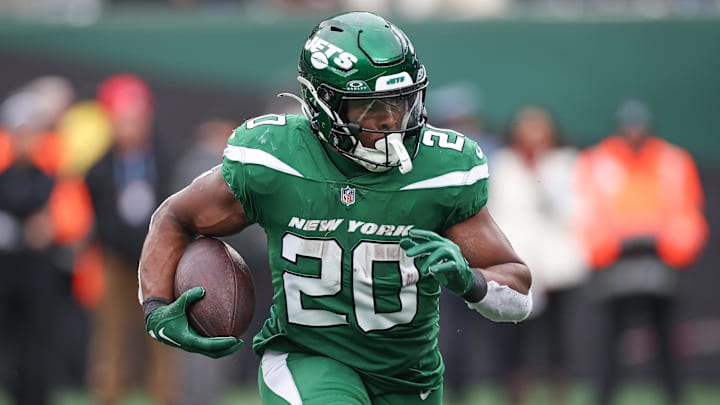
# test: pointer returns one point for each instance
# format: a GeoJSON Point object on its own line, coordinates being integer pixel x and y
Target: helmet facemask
{"type": "Point", "coordinates": [396, 115]}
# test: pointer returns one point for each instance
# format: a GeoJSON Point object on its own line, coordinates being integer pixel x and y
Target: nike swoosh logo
{"type": "Point", "coordinates": [425, 394]}
{"type": "Point", "coordinates": [162, 334]}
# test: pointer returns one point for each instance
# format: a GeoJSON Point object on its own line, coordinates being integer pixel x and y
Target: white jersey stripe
{"type": "Point", "coordinates": [258, 157]}
{"type": "Point", "coordinates": [467, 178]}
{"type": "Point", "coordinates": [278, 378]}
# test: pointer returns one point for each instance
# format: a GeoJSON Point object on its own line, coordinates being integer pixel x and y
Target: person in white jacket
{"type": "Point", "coordinates": [533, 201]}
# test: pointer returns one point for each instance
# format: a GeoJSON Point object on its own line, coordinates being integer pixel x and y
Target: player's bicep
{"type": "Point", "coordinates": [481, 241]}
{"type": "Point", "coordinates": [207, 206]}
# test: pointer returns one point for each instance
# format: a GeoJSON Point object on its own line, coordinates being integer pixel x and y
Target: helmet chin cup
{"type": "Point", "coordinates": [366, 156]}
{"type": "Point", "coordinates": [397, 152]}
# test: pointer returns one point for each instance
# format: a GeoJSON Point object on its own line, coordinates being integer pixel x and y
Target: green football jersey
{"type": "Point", "coordinates": [343, 287]}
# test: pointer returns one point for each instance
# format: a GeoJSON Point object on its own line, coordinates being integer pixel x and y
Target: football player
{"type": "Point", "coordinates": [368, 212]}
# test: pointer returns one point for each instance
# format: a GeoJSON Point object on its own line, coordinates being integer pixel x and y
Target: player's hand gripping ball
{"type": "Point", "coordinates": [215, 301]}
{"type": "Point", "coordinates": [169, 324]}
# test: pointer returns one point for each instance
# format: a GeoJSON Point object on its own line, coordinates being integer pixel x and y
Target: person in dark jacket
{"type": "Point", "coordinates": [125, 189]}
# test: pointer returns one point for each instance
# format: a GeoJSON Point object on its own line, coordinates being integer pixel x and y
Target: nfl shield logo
{"type": "Point", "coordinates": [347, 195]}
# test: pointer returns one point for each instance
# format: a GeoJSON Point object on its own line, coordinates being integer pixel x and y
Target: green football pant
{"type": "Point", "coordinates": [302, 379]}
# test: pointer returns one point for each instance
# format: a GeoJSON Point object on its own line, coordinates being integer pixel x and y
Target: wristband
{"type": "Point", "coordinates": [153, 303]}
{"type": "Point", "coordinates": [479, 287]}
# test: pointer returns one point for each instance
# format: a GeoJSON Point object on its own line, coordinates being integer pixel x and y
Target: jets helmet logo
{"type": "Point", "coordinates": [323, 52]}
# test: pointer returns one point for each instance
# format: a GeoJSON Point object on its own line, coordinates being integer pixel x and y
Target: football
{"type": "Point", "coordinates": [229, 302]}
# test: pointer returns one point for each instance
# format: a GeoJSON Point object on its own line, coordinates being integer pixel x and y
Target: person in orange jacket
{"type": "Point", "coordinates": [43, 214]}
{"type": "Point", "coordinates": [641, 218]}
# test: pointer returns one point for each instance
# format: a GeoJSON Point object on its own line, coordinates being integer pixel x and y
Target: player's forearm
{"type": "Point", "coordinates": [505, 291]}
{"type": "Point", "coordinates": [206, 207]}
{"type": "Point", "coordinates": [163, 247]}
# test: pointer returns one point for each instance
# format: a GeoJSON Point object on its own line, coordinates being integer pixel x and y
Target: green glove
{"type": "Point", "coordinates": [441, 258]}
{"type": "Point", "coordinates": [169, 324]}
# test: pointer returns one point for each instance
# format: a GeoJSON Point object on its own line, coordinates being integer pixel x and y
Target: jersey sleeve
{"type": "Point", "coordinates": [457, 169]}
{"type": "Point", "coordinates": [472, 196]}
{"type": "Point", "coordinates": [257, 161]}
{"type": "Point", "coordinates": [449, 180]}
{"type": "Point", "coordinates": [234, 170]}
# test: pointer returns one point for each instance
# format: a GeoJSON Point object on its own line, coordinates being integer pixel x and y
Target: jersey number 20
{"type": "Point", "coordinates": [329, 283]}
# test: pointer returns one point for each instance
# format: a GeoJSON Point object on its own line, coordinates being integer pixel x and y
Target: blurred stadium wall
{"type": "Point", "coordinates": [203, 65]}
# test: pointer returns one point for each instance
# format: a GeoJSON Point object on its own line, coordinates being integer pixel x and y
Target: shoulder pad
{"type": "Point", "coordinates": [451, 145]}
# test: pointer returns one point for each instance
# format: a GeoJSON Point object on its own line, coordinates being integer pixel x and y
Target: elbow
{"type": "Point", "coordinates": [524, 310]}
{"type": "Point", "coordinates": [165, 219]}
{"type": "Point", "coordinates": [524, 280]}
{"type": "Point", "coordinates": [163, 212]}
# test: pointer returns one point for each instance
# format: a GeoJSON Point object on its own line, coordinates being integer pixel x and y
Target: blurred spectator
{"type": "Point", "coordinates": [428, 9]}
{"type": "Point", "coordinates": [86, 134]}
{"type": "Point", "coordinates": [458, 106]}
{"type": "Point", "coordinates": [532, 199]}
{"type": "Point", "coordinates": [26, 234]}
{"type": "Point", "coordinates": [72, 12]}
{"type": "Point", "coordinates": [56, 94]}
{"type": "Point", "coordinates": [70, 210]}
{"type": "Point", "coordinates": [71, 218]}
{"type": "Point", "coordinates": [205, 153]}
{"type": "Point", "coordinates": [42, 214]}
{"type": "Point", "coordinates": [125, 185]}
{"type": "Point", "coordinates": [641, 218]}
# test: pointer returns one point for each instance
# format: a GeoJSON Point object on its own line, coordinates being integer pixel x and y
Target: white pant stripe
{"type": "Point", "coordinates": [278, 378]}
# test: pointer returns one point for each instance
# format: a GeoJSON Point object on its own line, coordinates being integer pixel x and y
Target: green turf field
{"type": "Point", "coordinates": [484, 394]}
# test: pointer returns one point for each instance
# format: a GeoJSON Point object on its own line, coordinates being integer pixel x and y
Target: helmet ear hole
{"type": "Point", "coordinates": [325, 94]}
